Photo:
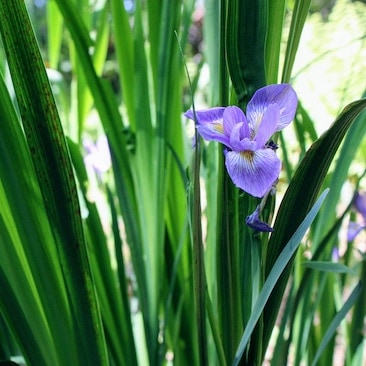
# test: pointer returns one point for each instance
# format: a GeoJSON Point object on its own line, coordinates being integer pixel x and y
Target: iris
{"type": "Point", "coordinates": [250, 156]}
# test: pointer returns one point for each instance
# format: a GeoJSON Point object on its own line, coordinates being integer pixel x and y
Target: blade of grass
{"type": "Point", "coordinates": [125, 57]}
{"type": "Point", "coordinates": [54, 34]}
{"type": "Point", "coordinates": [199, 277]}
{"type": "Point", "coordinates": [328, 267]}
{"type": "Point", "coordinates": [211, 32]}
{"type": "Point", "coordinates": [276, 15]}
{"type": "Point", "coordinates": [356, 335]}
{"type": "Point", "coordinates": [349, 148]}
{"type": "Point", "coordinates": [247, 25]}
{"type": "Point", "coordinates": [298, 18]}
{"type": "Point", "coordinates": [84, 99]}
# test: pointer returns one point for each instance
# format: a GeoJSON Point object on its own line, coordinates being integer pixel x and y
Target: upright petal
{"type": "Point", "coordinates": [267, 126]}
{"type": "Point", "coordinates": [232, 116]}
{"type": "Point", "coordinates": [235, 136]}
{"type": "Point", "coordinates": [239, 140]}
{"type": "Point", "coordinates": [281, 94]}
{"type": "Point", "coordinates": [253, 172]}
{"type": "Point", "coordinates": [210, 124]}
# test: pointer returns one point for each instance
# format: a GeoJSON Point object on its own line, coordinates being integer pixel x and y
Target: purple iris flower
{"type": "Point", "coordinates": [250, 158]}
{"type": "Point", "coordinates": [355, 228]}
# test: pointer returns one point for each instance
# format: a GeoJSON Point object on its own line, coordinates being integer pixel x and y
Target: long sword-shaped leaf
{"type": "Point", "coordinates": [297, 23]}
{"type": "Point", "coordinates": [347, 153]}
{"type": "Point", "coordinates": [276, 15]}
{"type": "Point", "coordinates": [115, 313]}
{"type": "Point", "coordinates": [247, 23]}
{"type": "Point", "coordinates": [299, 197]}
{"type": "Point", "coordinates": [336, 321]}
{"type": "Point", "coordinates": [55, 175]}
{"type": "Point", "coordinates": [245, 36]}
{"type": "Point", "coordinates": [27, 257]}
{"type": "Point", "coordinates": [276, 271]}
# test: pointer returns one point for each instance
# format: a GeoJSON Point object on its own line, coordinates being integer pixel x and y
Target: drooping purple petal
{"type": "Point", "coordinates": [253, 171]}
{"type": "Point", "coordinates": [210, 115]}
{"type": "Point", "coordinates": [267, 126]}
{"type": "Point", "coordinates": [210, 124]}
{"type": "Point", "coordinates": [281, 94]}
{"type": "Point", "coordinates": [255, 223]}
{"type": "Point", "coordinates": [211, 132]}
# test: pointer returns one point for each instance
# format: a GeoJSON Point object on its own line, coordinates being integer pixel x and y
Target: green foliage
{"type": "Point", "coordinates": [140, 255]}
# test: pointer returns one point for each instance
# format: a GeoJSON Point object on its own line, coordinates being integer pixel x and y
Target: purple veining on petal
{"type": "Point", "coordinates": [253, 171]}
{"type": "Point", "coordinates": [250, 158]}
{"type": "Point", "coordinates": [280, 94]}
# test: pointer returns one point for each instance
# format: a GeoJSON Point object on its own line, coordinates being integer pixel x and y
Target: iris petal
{"type": "Point", "coordinates": [232, 116]}
{"type": "Point", "coordinates": [253, 172]}
{"type": "Point", "coordinates": [268, 125]}
{"type": "Point", "coordinates": [238, 139]}
{"type": "Point", "coordinates": [210, 124]}
{"type": "Point", "coordinates": [211, 115]}
{"type": "Point", "coordinates": [281, 94]}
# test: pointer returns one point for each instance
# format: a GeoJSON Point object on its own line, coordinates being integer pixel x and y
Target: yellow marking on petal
{"type": "Point", "coordinates": [219, 127]}
{"type": "Point", "coordinates": [247, 155]}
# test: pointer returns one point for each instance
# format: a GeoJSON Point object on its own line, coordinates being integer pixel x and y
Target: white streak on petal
{"type": "Point", "coordinates": [282, 95]}
{"type": "Point", "coordinates": [253, 172]}
{"type": "Point", "coordinates": [267, 126]}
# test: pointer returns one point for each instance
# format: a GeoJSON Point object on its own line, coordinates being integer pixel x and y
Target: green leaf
{"type": "Point", "coordinates": [247, 25]}
{"type": "Point", "coordinates": [53, 167]}
{"type": "Point", "coordinates": [125, 56]}
{"type": "Point", "coordinates": [54, 35]}
{"type": "Point", "coordinates": [211, 31]}
{"type": "Point", "coordinates": [328, 267]}
{"type": "Point", "coordinates": [347, 153]}
{"type": "Point", "coordinates": [276, 16]}
{"type": "Point", "coordinates": [299, 15]}
{"type": "Point", "coordinates": [279, 266]}
{"type": "Point", "coordinates": [336, 321]}
{"type": "Point", "coordinates": [299, 197]}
